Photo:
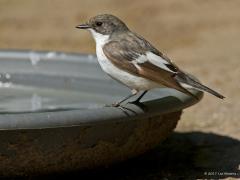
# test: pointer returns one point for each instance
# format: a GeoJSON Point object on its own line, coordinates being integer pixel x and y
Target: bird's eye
{"type": "Point", "coordinates": [98, 23]}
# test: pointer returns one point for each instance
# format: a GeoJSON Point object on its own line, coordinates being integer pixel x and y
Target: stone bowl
{"type": "Point", "coordinates": [54, 118]}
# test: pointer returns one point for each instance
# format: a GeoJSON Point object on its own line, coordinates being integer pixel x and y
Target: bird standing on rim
{"type": "Point", "coordinates": [133, 61]}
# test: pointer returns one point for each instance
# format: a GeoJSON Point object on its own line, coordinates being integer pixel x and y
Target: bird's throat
{"type": "Point", "coordinates": [100, 39]}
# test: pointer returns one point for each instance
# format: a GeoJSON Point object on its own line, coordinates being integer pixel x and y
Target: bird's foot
{"type": "Point", "coordinates": [116, 104]}
{"type": "Point", "coordinates": [113, 105]}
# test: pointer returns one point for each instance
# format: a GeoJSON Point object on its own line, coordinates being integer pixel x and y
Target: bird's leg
{"type": "Point", "coordinates": [134, 92]}
{"type": "Point", "coordinates": [140, 97]}
{"type": "Point", "coordinates": [138, 103]}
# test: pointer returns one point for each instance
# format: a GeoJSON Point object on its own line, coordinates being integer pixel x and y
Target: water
{"type": "Point", "coordinates": [17, 99]}
{"type": "Point", "coordinates": [54, 81]}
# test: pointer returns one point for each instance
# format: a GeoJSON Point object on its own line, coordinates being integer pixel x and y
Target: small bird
{"type": "Point", "coordinates": [130, 59]}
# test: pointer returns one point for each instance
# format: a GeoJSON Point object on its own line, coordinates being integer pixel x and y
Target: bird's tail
{"type": "Point", "coordinates": [187, 81]}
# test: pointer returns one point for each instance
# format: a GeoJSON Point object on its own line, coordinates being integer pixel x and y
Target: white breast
{"type": "Point", "coordinates": [132, 81]}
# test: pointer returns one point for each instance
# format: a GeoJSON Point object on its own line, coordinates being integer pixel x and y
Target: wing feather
{"type": "Point", "coordinates": [126, 58]}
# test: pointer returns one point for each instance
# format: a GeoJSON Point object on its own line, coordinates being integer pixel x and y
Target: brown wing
{"type": "Point", "coordinates": [124, 57]}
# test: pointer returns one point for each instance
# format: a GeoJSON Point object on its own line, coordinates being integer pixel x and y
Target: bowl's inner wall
{"type": "Point", "coordinates": [51, 81]}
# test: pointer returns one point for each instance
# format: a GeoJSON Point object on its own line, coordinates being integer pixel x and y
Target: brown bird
{"type": "Point", "coordinates": [130, 59]}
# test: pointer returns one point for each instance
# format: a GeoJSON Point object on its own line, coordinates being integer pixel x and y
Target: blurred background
{"type": "Point", "coordinates": [201, 36]}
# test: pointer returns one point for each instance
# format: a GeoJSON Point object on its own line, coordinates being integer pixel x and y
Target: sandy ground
{"type": "Point", "coordinates": [201, 36]}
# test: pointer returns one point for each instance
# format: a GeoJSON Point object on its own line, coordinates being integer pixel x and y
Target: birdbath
{"type": "Point", "coordinates": [54, 118]}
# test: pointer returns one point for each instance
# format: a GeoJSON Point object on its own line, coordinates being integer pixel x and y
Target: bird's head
{"type": "Point", "coordinates": [104, 24]}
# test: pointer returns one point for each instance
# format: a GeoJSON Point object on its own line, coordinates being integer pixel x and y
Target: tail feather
{"type": "Point", "coordinates": [188, 81]}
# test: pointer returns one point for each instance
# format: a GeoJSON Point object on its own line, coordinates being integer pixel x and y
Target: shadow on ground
{"type": "Point", "coordinates": [182, 155]}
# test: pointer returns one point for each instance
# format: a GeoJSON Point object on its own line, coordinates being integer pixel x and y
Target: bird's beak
{"type": "Point", "coordinates": [83, 26]}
